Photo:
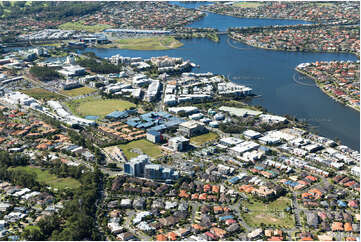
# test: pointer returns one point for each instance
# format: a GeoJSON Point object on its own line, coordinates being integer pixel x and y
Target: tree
{"type": "Point", "coordinates": [32, 233]}
{"type": "Point", "coordinates": [44, 73]}
{"type": "Point", "coordinates": [48, 224]}
{"type": "Point", "coordinates": [96, 66]}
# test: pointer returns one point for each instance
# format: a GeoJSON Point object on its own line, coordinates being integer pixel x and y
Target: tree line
{"type": "Point", "coordinates": [44, 73]}
{"type": "Point", "coordinates": [101, 67]}
{"type": "Point", "coordinates": [81, 141]}
{"type": "Point", "coordinates": [17, 177]}
{"type": "Point", "coordinates": [77, 220]}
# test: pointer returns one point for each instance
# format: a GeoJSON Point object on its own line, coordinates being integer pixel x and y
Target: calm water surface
{"type": "Point", "coordinates": [223, 22]}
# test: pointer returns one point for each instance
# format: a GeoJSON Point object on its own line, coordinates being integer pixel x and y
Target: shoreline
{"type": "Point", "coordinates": [122, 48]}
{"type": "Point", "coordinates": [276, 49]}
{"type": "Point", "coordinates": [243, 17]}
{"type": "Point", "coordinates": [290, 19]}
{"type": "Point", "coordinates": [323, 90]}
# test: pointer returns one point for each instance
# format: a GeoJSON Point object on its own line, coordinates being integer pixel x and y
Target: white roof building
{"type": "Point", "coordinates": [72, 70]}
{"type": "Point", "coordinates": [186, 109]}
{"type": "Point", "coordinates": [115, 228]}
{"type": "Point", "coordinates": [269, 139]}
{"type": "Point", "coordinates": [140, 216]}
{"type": "Point", "coordinates": [21, 192]}
{"type": "Point", "coordinates": [230, 141]}
{"type": "Point", "coordinates": [251, 134]}
{"type": "Point", "coordinates": [143, 226]}
{"type": "Point", "coordinates": [272, 118]}
{"type": "Point", "coordinates": [243, 147]}
{"type": "Point", "coordinates": [356, 171]}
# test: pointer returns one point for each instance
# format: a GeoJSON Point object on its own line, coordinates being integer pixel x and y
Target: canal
{"type": "Point", "coordinates": [270, 73]}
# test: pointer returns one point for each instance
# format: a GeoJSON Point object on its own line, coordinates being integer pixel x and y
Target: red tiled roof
{"type": "Point", "coordinates": [161, 237]}
{"type": "Point", "coordinates": [275, 238]}
{"type": "Point", "coordinates": [306, 239]}
{"type": "Point", "coordinates": [337, 226]}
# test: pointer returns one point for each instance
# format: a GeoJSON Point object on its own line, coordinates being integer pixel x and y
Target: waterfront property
{"type": "Point", "coordinates": [340, 80]}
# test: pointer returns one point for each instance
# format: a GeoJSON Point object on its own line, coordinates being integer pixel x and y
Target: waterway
{"type": "Point", "coordinates": [223, 22]}
{"type": "Point", "coordinates": [270, 73]}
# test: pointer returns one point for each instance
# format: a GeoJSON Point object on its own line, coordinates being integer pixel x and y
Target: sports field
{"type": "Point", "coordinates": [143, 145]}
{"type": "Point", "coordinates": [97, 106]}
{"type": "Point", "coordinates": [78, 91]}
{"type": "Point", "coordinates": [50, 179]}
{"type": "Point", "coordinates": [248, 4]}
{"type": "Point", "coordinates": [269, 214]}
{"type": "Point", "coordinates": [201, 139]}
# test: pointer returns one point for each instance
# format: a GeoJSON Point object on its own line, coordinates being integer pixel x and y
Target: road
{"type": "Point", "coordinates": [195, 207]}
{"type": "Point", "coordinates": [127, 225]}
{"type": "Point", "coordinates": [99, 205]}
{"type": "Point", "coordinates": [296, 210]}
{"type": "Point", "coordinates": [236, 208]}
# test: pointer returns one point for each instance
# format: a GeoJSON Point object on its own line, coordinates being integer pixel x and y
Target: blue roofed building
{"type": "Point", "coordinates": [223, 218]}
{"type": "Point", "coordinates": [341, 203]}
{"type": "Point", "coordinates": [155, 121]}
{"type": "Point", "coordinates": [158, 128]}
{"type": "Point", "coordinates": [260, 168]}
{"type": "Point", "coordinates": [234, 180]}
{"type": "Point", "coordinates": [145, 125]}
{"type": "Point", "coordinates": [173, 122]}
{"type": "Point", "coordinates": [117, 115]}
{"type": "Point", "coordinates": [91, 117]}
{"type": "Point", "coordinates": [154, 136]}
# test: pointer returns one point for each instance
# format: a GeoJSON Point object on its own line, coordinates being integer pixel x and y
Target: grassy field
{"type": "Point", "coordinates": [269, 214]}
{"type": "Point", "coordinates": [247, 4]}
{"type": "Point", "coordinates": [41, 93]}
{"type": "Point", "coordinates": [201, 139]}
{"type": "Point", "coordinates": [145, 146]}
{"type": "Point", "coordinates": [53, 44]}
{"type": "Point", "coordinates": [78, 91]}
{"type": "Point", "coordinates": [82, 26]}
{"type": "Point", "coordinates": [97, 106]}
{"type": "Point", "coordinates": [50, 179]}
{"type": "Point", "coordinates": [156, 43]}
{"type": "Point", "coordinates": [325, 4]}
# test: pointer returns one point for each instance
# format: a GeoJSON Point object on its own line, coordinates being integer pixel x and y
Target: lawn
{"type": "Point", "coordinates": [97, 106]}
{"type": "Point", "coordinates": [50, 44]}
{"type": "Point", "coordinates": [155, 43]}
{"type": "Point", "coordinates": [248, 4]}
{"type": "Point", "coordinates": [78, 91]}
{"type": "Point", "coordinates": [269, 214]}
{"type": "Point", "coordinates": [145, 146]}
{"type": "Point", "coordinates": [201, 139]}
{"type": "Point", "coordinates": [41, 93]}
{"type": "Point", "coordinates": [50, 179]}
{"type": "Point", "coordinates": [327, 4]}
{"type": "Point", "coordinates": [81, 26]}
